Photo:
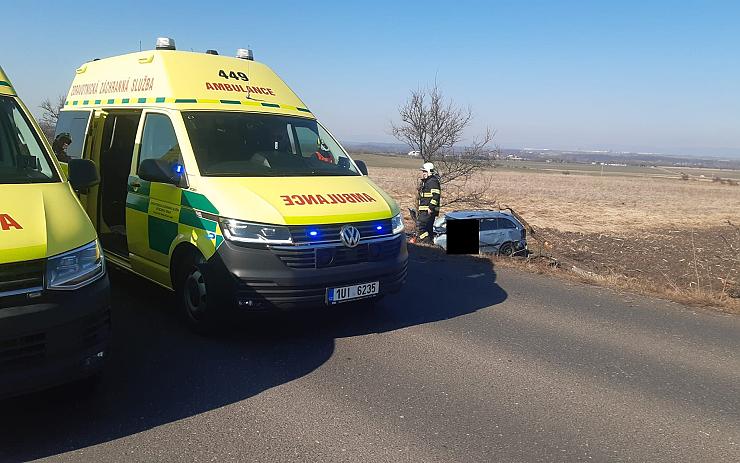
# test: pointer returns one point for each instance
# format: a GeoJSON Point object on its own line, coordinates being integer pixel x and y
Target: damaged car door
{"type": "Point", "coordinates": [491, 235]}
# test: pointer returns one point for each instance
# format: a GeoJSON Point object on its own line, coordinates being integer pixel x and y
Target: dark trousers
{"type": "Point", "coordinates": [425, 227]}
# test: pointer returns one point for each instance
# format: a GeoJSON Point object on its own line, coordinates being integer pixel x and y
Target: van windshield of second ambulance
{"type": "Point", "coordinates": [234, 144]}
{"type": "Point", "coordinates": [22, 160]}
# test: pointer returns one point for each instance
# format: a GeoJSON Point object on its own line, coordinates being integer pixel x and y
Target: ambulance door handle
{"type": "Point", "coordinates": [135, 185]}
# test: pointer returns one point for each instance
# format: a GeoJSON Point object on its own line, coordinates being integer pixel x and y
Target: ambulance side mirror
{"type": "Point", "coordinates": [362, 166]}
{"type": "Point", "coordinates": [82, 174]}
{"type": "Point", "coordinates": [161, 171]}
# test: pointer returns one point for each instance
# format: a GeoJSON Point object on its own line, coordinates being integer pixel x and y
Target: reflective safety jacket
{"type": "Point", "coordinates": [430, 195]}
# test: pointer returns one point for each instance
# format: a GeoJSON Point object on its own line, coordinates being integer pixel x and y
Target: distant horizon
{"type": "Point", "coordinates": [733, 156]}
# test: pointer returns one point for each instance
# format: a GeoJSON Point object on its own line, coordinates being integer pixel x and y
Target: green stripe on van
{"type": "Point", "coordinates": [138, 203]}
{"type": "Point", "coordinates": [197, 201]}
{"type": "Point", "coordinates": [161, 99]}
{"type": "Point", "coordinates": [161, 234]}
{"type": "Point", "coordinates": [189, 217]}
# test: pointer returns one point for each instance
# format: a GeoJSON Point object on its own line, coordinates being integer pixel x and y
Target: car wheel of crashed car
{"type": "Point", "coordinates": [506, 249]}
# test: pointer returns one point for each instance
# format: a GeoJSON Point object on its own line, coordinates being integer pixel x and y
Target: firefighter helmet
{"type": "Point", "coordinates": [428, 167]}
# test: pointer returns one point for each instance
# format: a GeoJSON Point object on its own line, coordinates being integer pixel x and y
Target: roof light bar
{"type": "Point", "coordinates": [245, 53]}
{"type": "Point", "coordinates": [165, 43]}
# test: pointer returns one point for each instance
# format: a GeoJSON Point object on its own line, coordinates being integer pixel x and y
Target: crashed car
{"type": "Point", "coordinates": [500, 232]}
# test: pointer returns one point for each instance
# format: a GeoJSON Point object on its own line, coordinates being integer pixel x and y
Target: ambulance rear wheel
{"type": "Point", "coordinates": [192, 293]}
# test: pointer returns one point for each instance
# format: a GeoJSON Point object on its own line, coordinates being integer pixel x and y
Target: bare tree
{"type": "Point", "coordinates": [50, 115]}
{"type": "Point", "coordinates": [435, 127]}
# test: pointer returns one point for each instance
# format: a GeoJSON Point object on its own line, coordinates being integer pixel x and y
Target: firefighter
{"type": "Point", "coordinates": [429, 199]}
{"type": "Point", "coordinates": [60, 145]}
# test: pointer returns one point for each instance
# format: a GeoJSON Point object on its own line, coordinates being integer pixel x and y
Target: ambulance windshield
{"type": "Point", "coordinates": [237, 144]}
{"type": "Point", "coordinates": [22, 159]}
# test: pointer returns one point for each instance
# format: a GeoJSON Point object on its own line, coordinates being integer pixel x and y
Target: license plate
{"type": "Point", "coordinates": [349, 293]}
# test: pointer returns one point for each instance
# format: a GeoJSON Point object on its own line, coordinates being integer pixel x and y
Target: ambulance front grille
{"type": "Point", "coordinates": [29, 349]}
{"type": "Point", "coordinates": [18, 277]}
{"type": "Point", "coordinates": [312, 257]}
{"type": "Point", "coordinates": [71, 339]}
{"type": "Point", "coordinates": [330, 232]}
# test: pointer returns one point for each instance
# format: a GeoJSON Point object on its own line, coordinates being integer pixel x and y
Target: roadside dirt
{"type": "Point", "coordinates": [699, 262]}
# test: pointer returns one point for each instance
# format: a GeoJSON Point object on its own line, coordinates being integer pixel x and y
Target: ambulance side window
{"type": "Point", "coordinates": [71, 126]}
{"type": "Point", "coordinates": [159, 140]}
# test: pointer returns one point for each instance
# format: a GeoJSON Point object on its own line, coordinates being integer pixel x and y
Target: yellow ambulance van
{"type": "Point", "coordinates": [54, 291]}
{"type": "Point", "coordinates": [218, 183]}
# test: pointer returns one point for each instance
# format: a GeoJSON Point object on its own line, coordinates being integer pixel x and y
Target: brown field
{"type": "Point", "coordinates": [659, 234]}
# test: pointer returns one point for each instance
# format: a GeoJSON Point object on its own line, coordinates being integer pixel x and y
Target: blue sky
{"type": "Point", "coordinates": [659, 76]}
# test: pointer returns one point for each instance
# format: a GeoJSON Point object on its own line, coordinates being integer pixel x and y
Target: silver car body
{"type": "Point", "coordinates": [496, 229]}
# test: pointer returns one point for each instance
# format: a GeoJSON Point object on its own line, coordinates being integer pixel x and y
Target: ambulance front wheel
{"type": "Point", "coordinates": [192, 292]}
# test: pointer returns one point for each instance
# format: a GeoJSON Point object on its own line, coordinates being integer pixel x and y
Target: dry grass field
{"type": "Point", "coordinates": [654, 233]}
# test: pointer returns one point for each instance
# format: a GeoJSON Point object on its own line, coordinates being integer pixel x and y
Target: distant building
{"type": "Point", "coordinates": [414, 153]}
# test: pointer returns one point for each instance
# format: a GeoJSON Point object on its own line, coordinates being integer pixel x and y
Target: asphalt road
{"type": "Point", "coordinates": [466, 364]}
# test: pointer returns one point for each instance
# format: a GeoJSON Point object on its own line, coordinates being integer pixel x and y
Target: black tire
{"type": "Point", "coordinates": [191, 291]}
{"type": "Point", "coordinates": [506, 249]}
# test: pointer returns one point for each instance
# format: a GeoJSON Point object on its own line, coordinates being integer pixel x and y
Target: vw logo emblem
{"type": "Point", "coordinates": [350, 236]}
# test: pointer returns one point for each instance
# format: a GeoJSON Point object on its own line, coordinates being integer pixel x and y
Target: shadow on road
{"type": "Point", "coordinates": [159, 372]}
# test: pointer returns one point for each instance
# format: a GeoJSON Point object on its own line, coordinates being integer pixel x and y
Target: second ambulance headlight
{"type": "Point", "coordinates": [397, 224]}
{"type": "Point", "coordinates": [76, 268]}
{"type": "Point", "coordinates": [256, 233]}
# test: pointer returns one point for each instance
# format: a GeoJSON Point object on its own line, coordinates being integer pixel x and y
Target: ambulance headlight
{"type": "Point", "coordinates": [256, 233]}
{"type": "Point", "coordinates": [397, 224]}
{"type": "Point", "coordinates": [75, 269]}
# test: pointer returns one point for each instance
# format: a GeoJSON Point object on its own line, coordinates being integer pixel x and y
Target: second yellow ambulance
{"type": "Point", "coordinates": [54, 290]}
{"type": "Point", "coordinates": [219, 183]}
